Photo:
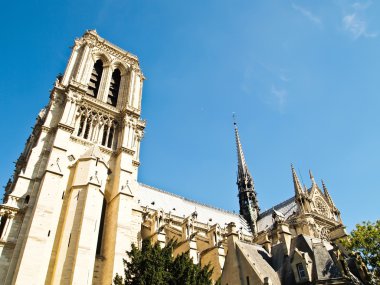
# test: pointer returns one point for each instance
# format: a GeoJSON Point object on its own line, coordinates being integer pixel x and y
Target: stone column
{"type": "Point", "coordinates": [105, 83]}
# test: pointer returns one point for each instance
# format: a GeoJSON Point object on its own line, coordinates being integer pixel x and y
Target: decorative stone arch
{"type": "Point", "coordinates": [123, 67]}
{"type": "Point", "coordinates": [97, 54]}
{"type": "Point", "coordinates": [125, 71]}
{"type": "Point", "coordinates": [104, 80]}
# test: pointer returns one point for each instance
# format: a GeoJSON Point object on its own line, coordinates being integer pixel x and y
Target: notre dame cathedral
{"type": "Point", "coordinates": [74, 205]}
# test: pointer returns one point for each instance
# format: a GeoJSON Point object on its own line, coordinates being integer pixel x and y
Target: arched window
{"type": "Point", "coordinates": [108, 135]}
{"type": "Point", "coordinates": [114, 87]}
{"type": "Point", "coordinates": [96, 76]}
{"type": "Point", "coordinates": [26, 201]}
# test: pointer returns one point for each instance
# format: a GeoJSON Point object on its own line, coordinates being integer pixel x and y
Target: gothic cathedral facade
{"type": "Point", "coordinates": [74, 205]}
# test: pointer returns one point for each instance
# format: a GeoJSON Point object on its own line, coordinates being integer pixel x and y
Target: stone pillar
{"type": "Point", "coordinates": [105, 83]}
{"type": "Point", "coordinates": [84, 70]}
{"type": "Point", "coordinates": [76, 249]}
{"type": "Point", "coordinates": [40, 237]}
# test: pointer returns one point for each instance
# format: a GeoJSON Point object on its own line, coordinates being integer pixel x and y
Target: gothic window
{"type": "Point", "coordinates": [247, 280]}
{"type": "Point", "coordinates": [301, 271]}
{"type": "Point", "coordinates": [96, 76]}
{"type": "Point", "coordinates": [114, 87]}
{"type": "Point", "coordinates": [81, 125]}
{"type": "Point", "coordinates": [26, 201]}
{"type": "Point", "coordinates": [101, 228]}
{"type": "Point", "coordinates": [96, 127]}
{"type": "Point", "coordinates": [110, 137]}
{"type": "Point", "coordinates": [87, 129]}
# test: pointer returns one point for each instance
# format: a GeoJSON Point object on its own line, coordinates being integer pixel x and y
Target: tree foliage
{"type": "Point", "coordinates": [155, 265]}
{"type": "Point", "coordinates": [365, 239]}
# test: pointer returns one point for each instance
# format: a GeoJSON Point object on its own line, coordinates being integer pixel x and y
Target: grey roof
{"type": "Point", "coordinates": [258, 258]}
{"type": "Point", "coordinates": [287, 208]}
{"type": "Point", "coordinates": [166, 201]}
{"type": "Point", "coordinates": [324, 265]}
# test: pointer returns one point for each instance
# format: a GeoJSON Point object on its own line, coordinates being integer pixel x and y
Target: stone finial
{"type": "Point", "coordinates": [231, 228]}
{"type": "Point", "coordinates": [312, 178]}
{"type": "Point", "coordinates": [297, 184]}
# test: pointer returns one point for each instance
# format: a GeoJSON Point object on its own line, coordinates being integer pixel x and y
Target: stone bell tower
{"type": "Point", "coordinates": [67, 216]}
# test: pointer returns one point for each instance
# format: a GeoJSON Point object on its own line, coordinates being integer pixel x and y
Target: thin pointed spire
{"type": "Point", "coordinates": [243, 172]}
{"type": "Point", "coordinates": [297, 184]}
{"type": "Point", "coordinates": [249, 207]}
{"type": "Point", "coordinates": [327, 194]}
{"type": "Point", "coordinates": [312, 178]}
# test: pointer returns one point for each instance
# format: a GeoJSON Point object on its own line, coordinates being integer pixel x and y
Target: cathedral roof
{"type": "Point", "coordinates": [179, 206]}
{"type": "Point", "coordinates": [259, 259]}
{"type": "Point", "coordinates": [287, 208]}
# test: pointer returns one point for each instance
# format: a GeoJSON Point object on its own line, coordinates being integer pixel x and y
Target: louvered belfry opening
{"type": "Point", "coordinates": [96, 75]}
{"type": "Point", "coordinates": [114, 88]}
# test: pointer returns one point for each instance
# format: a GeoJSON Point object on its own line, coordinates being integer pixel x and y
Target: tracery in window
{"type": "Point", "coordinates": [321, 207]}
{"type": "Point", "coordinates": [96, 127]}
{"type": "Point", "coordinates": [114, 87]}
{"type": "Point", "coordinates": [96, 75]}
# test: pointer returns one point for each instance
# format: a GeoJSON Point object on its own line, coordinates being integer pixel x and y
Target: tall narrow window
{"type": "Point", "coordinates": [247, 280]}
{"type": "Point", "coordinates": [3, 221]}
{"type": "Point", "coordinates": [110, 137]}
{"type": "Point", "coordinates": [101, 228]}
{"type": "Point", "coordinates": [96, 76]}
{"type": "Point", "coordinates": [81, 125]}
{"type": "Point", "coordinates": [105, 132]}
{"type": "Point", "coordinates": [301, 271]}
{"type": "Point", "coordinates": [87, 130]}
{"type": "Point", "coordinates": [114, 88]}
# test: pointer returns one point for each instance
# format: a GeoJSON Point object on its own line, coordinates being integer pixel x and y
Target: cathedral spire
{"type": "Point", "coordinates": [243, 172]}
{"type": "Point", "coordinates": [327, 194]}
{"type": "Point", "coordinates": [297, 184]}
{"type": "Point", "coordinates": [249, 207]}
{"type": "Point", "coordinates": [312, 178]}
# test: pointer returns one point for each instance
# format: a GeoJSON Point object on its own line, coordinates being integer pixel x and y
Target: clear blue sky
{"type": "Point", "coordinates": [303, 78]}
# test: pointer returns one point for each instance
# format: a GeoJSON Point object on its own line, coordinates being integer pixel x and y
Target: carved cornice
{"type": "Point", "coordinates": [66, 128]}
{"type": "Point", "coordinates": [92, 38]}
{"type": "Point", "coordinates": [9, 210]}
{"type": "Point", "coordinates": [126, 150]}
{"type": "Point", "coordinates": [45, 129]}
{"type": "Point", "coordinates": [81, 141]}
{"type": "Point", "coordinates": [132, 111]}
{"type": "Point", "coordinates": [77, 87]}
{"type": "Point", "coordinates": [100, 106]}
{"type": "Point", "coordinates": [106, 150]}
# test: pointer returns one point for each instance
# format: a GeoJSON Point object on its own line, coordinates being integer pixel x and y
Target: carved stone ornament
{"type": "Point", "coordinates": [57, 99]}
{"type": "Point", "coordinates": [324, 233]}
{"type": "Point", "coordinates": [321, 207]}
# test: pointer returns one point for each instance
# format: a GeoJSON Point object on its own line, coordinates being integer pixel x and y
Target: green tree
{"type": "Point", "coordinates": [365, 239]}
{"type": "Point", "coordinates": [155, 265]}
